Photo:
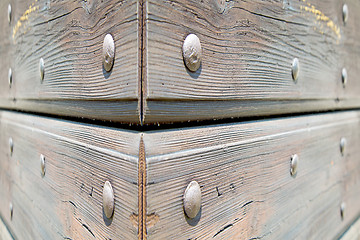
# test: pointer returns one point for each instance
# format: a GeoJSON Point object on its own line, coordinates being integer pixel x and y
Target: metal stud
{"type": "Point", "coordinates": [9, 13]}
{"type": "Point", "coordinates": [192, 52]}
{"type": "Point", "coordinates": [42, 165]}
{"type": "Point", "coordinates": [345, 13]}
{"type": "Point", "coordinates": [11, 145]}
{"type": "Point", "coordinates": [10, 77]}
{"type": "Point", "coordinates": [344, 76]}
{"type": "Point", "coordinates": [108, 52]}
{"type": "Point", "coordinates": [294, 164]}
{"type": "Point", "coordinates": [342, 145]}
{"type": "Point", "coordinates": [295, 68]}
{"type": "Point", "coordinates": [342, 210]}
{"type": "Point", "coordinates": [11, 210]}
{"type": "Point", "coordinates": [41, 69]}
{"type": "Point", "coordinates": [108, 200]}
{"type": "Point", "coordinates": [192, 199]}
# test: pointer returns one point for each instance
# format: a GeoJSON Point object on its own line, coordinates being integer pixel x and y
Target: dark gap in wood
{"type": "Point", "coordinates": [176, 125]}
{"type": "Point", "coordinates": [142, 191]}
{"type": "Point", "coordinates": [142, 56]}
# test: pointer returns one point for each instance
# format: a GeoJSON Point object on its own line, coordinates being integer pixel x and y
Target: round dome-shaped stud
{"type": "Point", "coordinates": [192, 52]}
{"type": "Point", "coordinates": [11, 146]}
{"type": "Point", "coordinates": [344, 76]}
{"type": "Point", "coordinates": [345, 13]}
{"type": "Point", "coordinates": [42, 165]}
{"type": "Point", "coordinates": [294, 164]}
{"type": "Point", "coordinates": [342, 145]}
{"type": "Point", "coordinates": [342, 210]}
{"type": "Point", "coordinates": [295, 68]}
{"type": "Point", "coordinates": [192, 199]}
{"type": "Point", "coordinates": [108, 199]}
{"type": "Point", "coordinates": [11, 208]}
{"type": "Point", "coordinates": [108, 52]}
{"type": "Point", "coordinates": [9, 13]}
{"type": "Point", "coordinates": [41, 69]}
{"type": "Point", "coordinates": [10, 77]}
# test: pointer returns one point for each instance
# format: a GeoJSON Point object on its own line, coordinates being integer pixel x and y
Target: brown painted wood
{"type": "Point", "coordinates": [244, 173]}
{"type": "Point", "coordinates": [69, 37]}
{"type": "Point", "coordinates": [67, 202]}
{"type": "Point", "coordinates": [247, 49]}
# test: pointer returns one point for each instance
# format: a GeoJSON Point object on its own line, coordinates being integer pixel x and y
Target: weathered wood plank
{"type": "Point", "coordinates": [247, 49]}
{"type": "Point", "coordinates": [244, 173]}
{"type": "Point", "coordinates": [69, 37]}
{"type": "Point", "coordinates": [67, 202]}
{"type": "Point", "coordinates": [4, 231]}
{"type": "Point", "coordinates": [353, 232]}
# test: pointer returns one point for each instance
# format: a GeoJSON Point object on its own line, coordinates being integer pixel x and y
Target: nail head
{"type": "Point", "coordinates": [11, 145]}
{"type": "Point", "coordinates": [9, 13]}
{"type": "Point", "coordinates": [42, 164]}
{"type": "Point", "coordinates": [11, 210]}
{"type": "Point", "coordinates": [192, 199]}
{"type": "Point", "coordinates": [345, 13]}
{"type": "Point", "coordinates": [108, 200]}
{"type": "Point", "coordinates": [342, 210]}
{"type": "Point", "coordinates": [108, 52]}
{"type": "Point", "coordinates": [10, 77]}
{"type": "Point", "coordinates": [41, 69]}
{"type": "Point", "coordinates": [344, 76]}
{"type": "Point", "coordinates": [342, 145]}
{"type": "Point", "coordinates": [295, 68]}
{"type": "Point", "coordinates": [192, 52]}
{"type": "Point", "coordinates": [294, 164]}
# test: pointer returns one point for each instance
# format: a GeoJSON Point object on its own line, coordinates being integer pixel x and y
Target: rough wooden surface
{"type": "Point", "coordinates": [353, 232]}
{"type": "Point", "coordinates": [4, 232]}
{"type": "Point", "coordinates": [69, 37]}
{"type": "Point", "coordinates": [67, 202]}
{"type": "Point", "coordinates": [244, 173]}
{"type": "Point", "coordinates": [247, 49]}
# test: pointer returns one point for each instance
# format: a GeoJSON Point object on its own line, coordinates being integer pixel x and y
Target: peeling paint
{"type": "Point", "coordinates": [321, 18]}
{"type": "Point", "coordinates": [24, 18]}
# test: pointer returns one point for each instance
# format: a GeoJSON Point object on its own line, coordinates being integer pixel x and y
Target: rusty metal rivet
{"type": "Point", "coordinates": [41, 69]}
{"type": "Point", "coordinates": [42, 165]}
{"type": "Point", "coordinates": [345, 13]}
{"type": "Point", "coordinates": [294, 164]}
{"type": "Point", "coordinates": [108, 199]}
{"type": "Point", "coordinates": [192, 199]}
{"type": "Point", "coordinates": [295, 68]}
{"type": "Point", "coordinates": [9, 13]}
{"type": "Point", "coordinates": [10, 77]}
{"type": "Point", "coordinates": [11, 210]}
{"type": "Point", "coordinates": [11, 145]}
{"type": "Point", "coordinates": [342, 210]}
{"type": "Point", "coordinates": [108, 52]}
{"type": "Point", "coordinates": [192, 52]}
{"type": "Point", "coordinates": [344, 76]}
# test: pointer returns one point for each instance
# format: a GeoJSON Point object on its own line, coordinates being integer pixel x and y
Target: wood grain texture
{"type": "Point", "coordinates": [247, 49]}
{"type": "Point", "coordinates": [244, 173]}
{"type": "Point", "coordinates": [353, 232]}
{"type": "Point", "coordinates": [4, 232]}
{"type": "Point", "coordinates": [69, 37]}
{"type": "Point", "coordinates": [67, 202]}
